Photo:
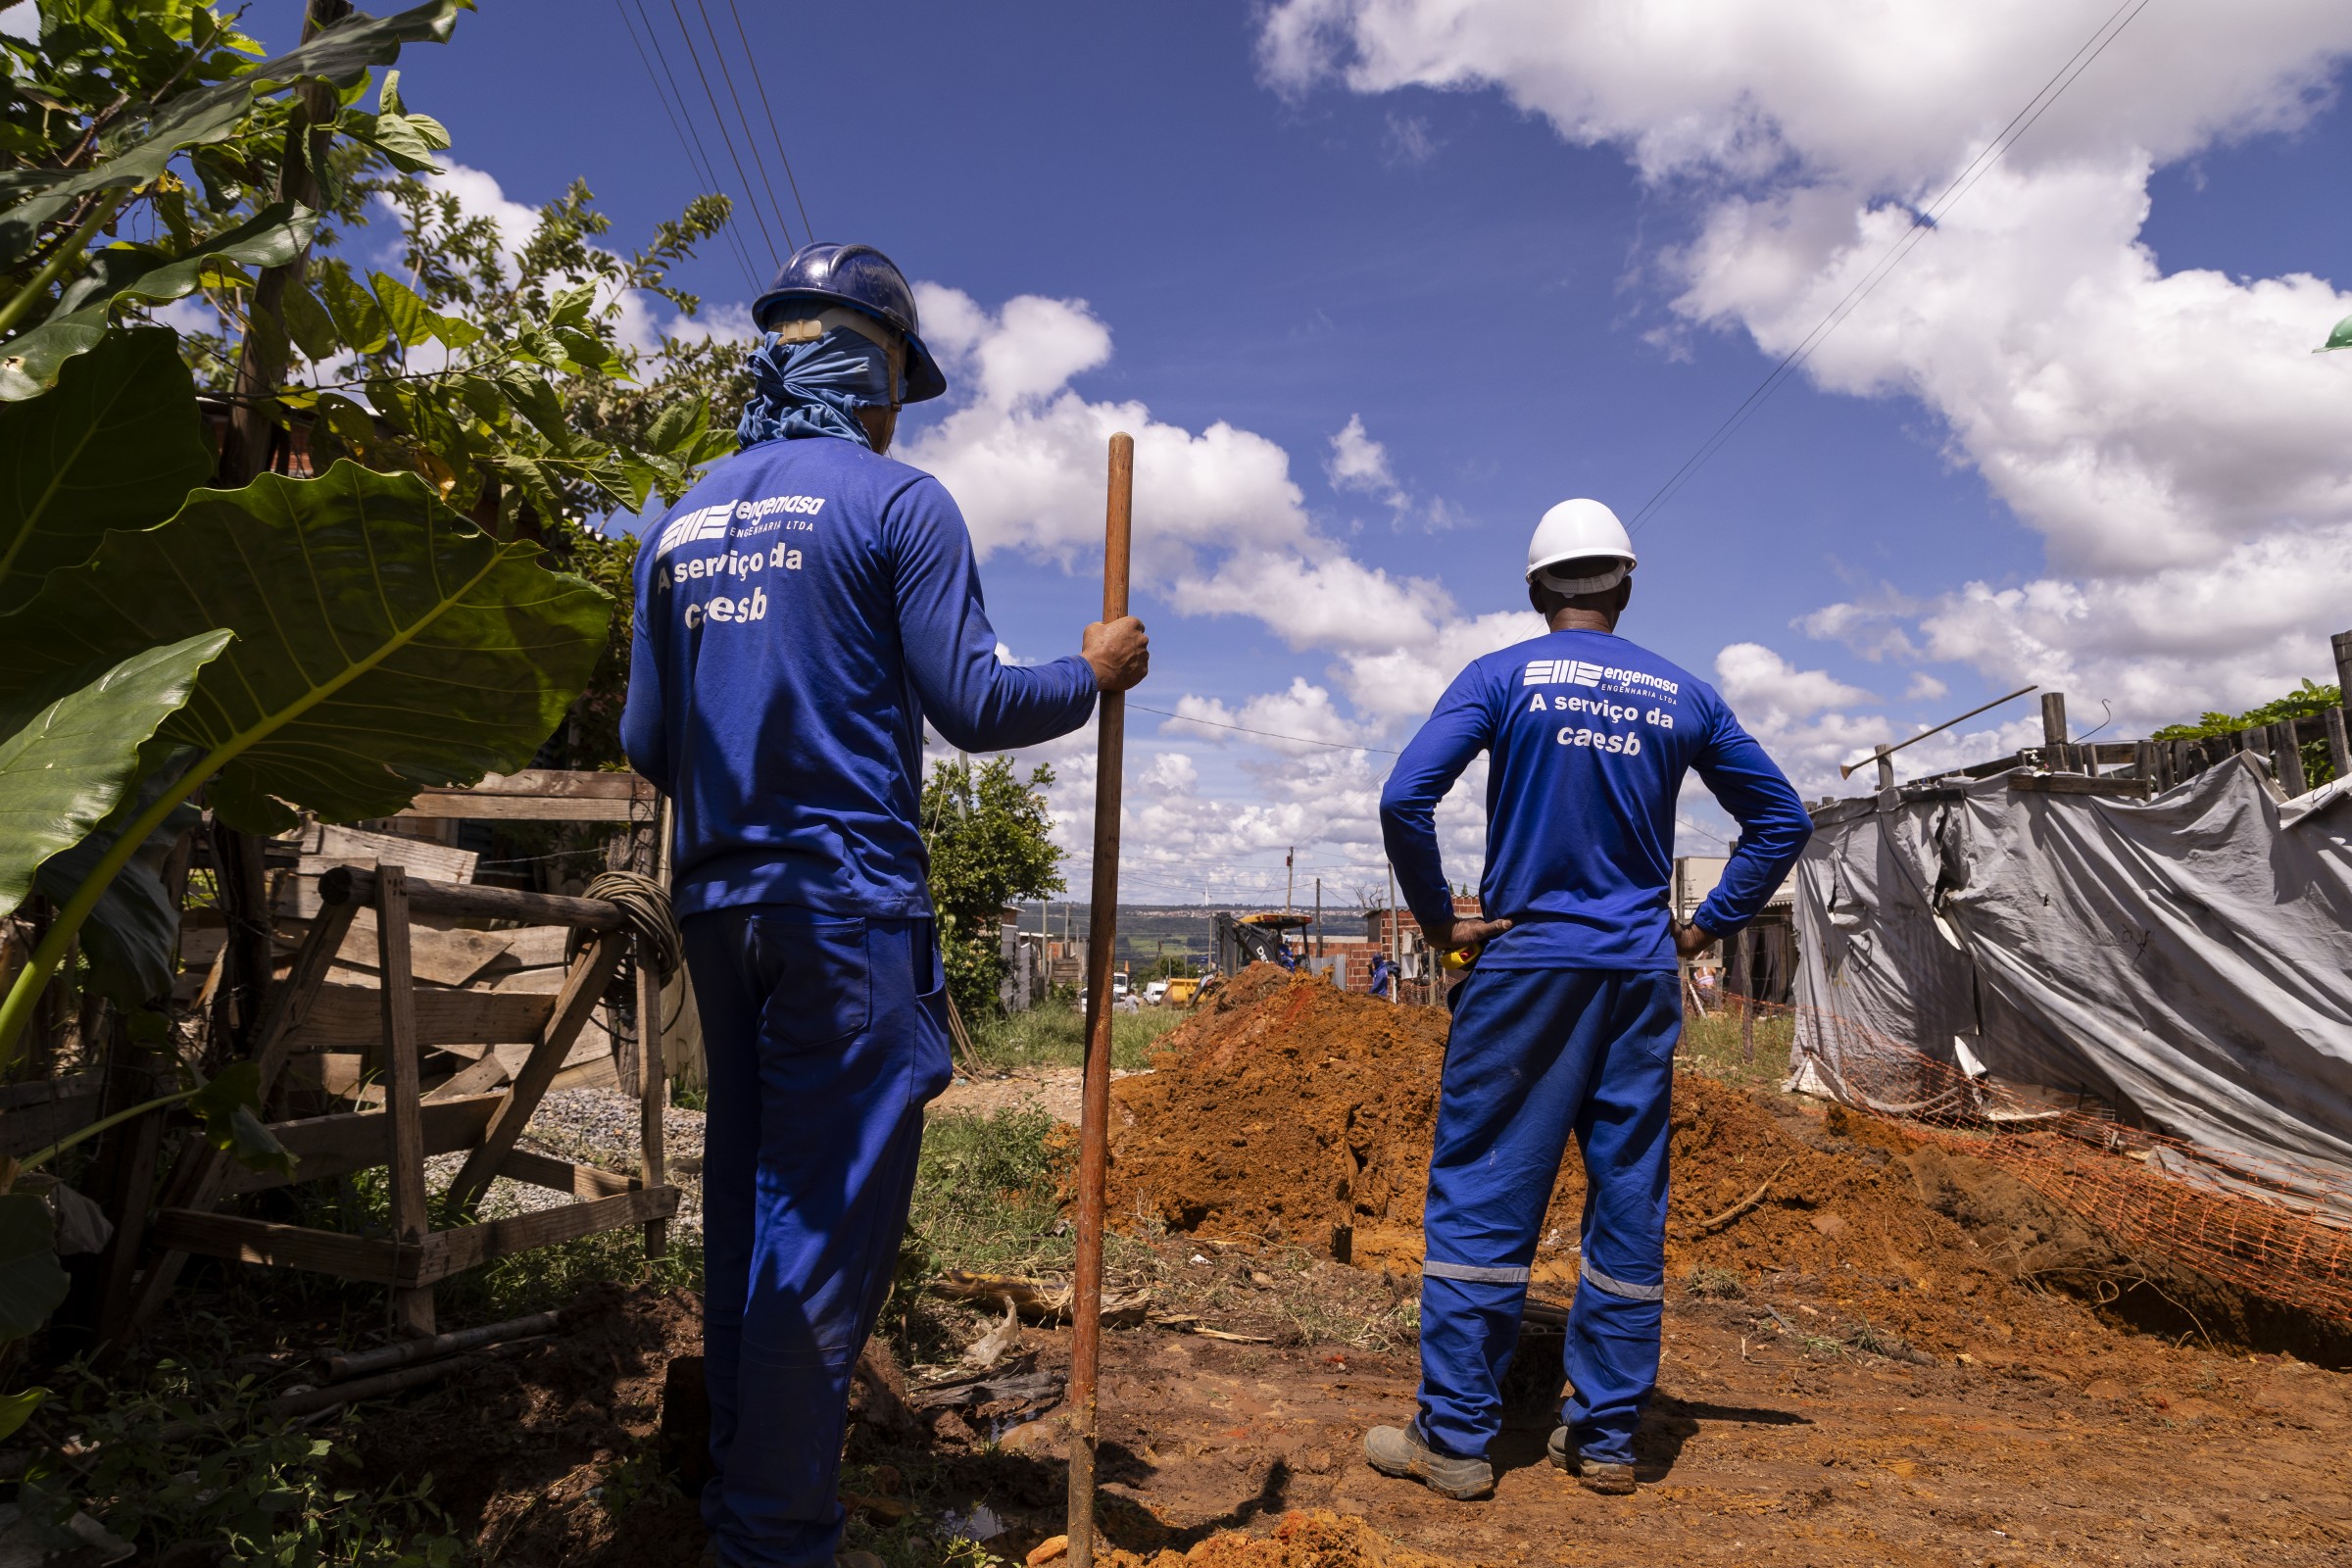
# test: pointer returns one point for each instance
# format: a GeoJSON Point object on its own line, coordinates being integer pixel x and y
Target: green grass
{"type": "Point", "coordinates": [1712, 1046]}
{"type": "Point", "coordinates": [1054, 1035]}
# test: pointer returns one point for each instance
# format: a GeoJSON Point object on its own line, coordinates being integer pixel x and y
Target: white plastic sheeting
{"type": "Point", "coordinates": [2187, 959]}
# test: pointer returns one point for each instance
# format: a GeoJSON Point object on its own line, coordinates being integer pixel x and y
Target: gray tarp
{"type": "Point", "coordinates": [2186, 959]}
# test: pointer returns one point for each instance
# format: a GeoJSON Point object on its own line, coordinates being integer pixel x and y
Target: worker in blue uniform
{"type": "Point", "coordinates": [801, 613]}
{"type": "Point", "coordinates": [1567, 1020]}
{"type": "Point", "coordinates": [1384, 976]}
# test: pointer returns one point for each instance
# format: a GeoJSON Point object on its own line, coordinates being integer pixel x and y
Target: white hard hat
{"type": "Point", "coordinates": [1578, 530]}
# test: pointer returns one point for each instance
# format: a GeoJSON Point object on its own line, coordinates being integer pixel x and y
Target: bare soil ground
{"type": "Point", "coordinates": [1763, 1446]}
{"type": "Point", "coordinates": [1896, 1353]}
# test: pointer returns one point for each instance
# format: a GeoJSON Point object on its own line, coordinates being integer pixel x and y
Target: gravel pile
{"type": "Point", "coordinates": [594, 1127]}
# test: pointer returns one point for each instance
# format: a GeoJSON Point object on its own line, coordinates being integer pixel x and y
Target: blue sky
{"type": "Point", "coordinates": [1532, 252]}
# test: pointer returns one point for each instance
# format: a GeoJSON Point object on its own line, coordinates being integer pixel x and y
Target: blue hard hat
{"type": "Point", "coordinates": [864, 280]}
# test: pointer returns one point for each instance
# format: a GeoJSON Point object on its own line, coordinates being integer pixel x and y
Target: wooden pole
{"type": "Point", "coordinates": [2053, 731]}
{"type": "Point", "coordinates": [411, 1308]}
{"type": "Point", "coordinates": [1094, 1115]}
{"type": "Point", "coordinates": [1885, 769]}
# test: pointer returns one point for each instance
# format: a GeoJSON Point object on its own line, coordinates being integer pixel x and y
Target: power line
{"type": "Point", "coordinates": [806, 227]}
{"type": "Point", "coordinates": [696, 157]}
{"type": "Point", "coordinates": [719, 122]}
{"type": "Point", "coordinates": [745, 121]}
{"type": "Point", "coordinates": [1272, 735]}
{"type": "Point", "coordinates": [1924, 221]}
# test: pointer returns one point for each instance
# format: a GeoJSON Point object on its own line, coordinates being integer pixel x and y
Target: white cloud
{"type": "Point", "coordinates": [2169, 435]}
{"type": "Point", "coordinates": [1023, 453]}
{"type": "Point", "coordinates": [1360, 464]}
{"type": "Point", "coordinates": [1924, 688]}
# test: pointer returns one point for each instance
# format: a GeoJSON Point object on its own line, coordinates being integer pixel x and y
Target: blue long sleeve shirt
{"type": "Point", "coordinates": [799, 613]}
{"type": "Point", "coordinates": [1588, 737]}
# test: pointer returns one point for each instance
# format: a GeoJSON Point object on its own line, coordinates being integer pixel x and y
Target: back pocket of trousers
{"type": "Point", "coordinates": [819, 978]}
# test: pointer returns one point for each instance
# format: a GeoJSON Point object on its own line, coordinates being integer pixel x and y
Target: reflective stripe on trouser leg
{"type": "Point", "coordinates": [823, 1048]}
{"type": "Point", "coordinates": [1612, 1365]}
{"type": "Point", "coordinates": [1622, 1132]}
{"type": "Point", "coordinates": [1516, 1066]}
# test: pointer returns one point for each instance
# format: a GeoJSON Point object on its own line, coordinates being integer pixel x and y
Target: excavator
{"type": "Point", "coordinates": [1248, 939]}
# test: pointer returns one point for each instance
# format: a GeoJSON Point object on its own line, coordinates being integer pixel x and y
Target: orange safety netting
{"type": "Point", "coordinates": [2276, 1228]}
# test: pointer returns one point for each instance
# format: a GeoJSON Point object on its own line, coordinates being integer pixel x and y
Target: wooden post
{"type": "Point", "coordinates": [2286, 755]}
{"type": "Point", "coordinates": [1318, 917]}
{"type": "Point", "coordinates": [1094, 1117]}
{"type": "Point", "coordinates": [1886, 767]}
{"type": "Point", "coordinates": [404, 1093]}
{"type": "Point", "coordinates": [653, 1092]}
{"type": "Point", "coordinates": [2339, 749]}
{"type": "Point", "coordinates": [1747, 998]}
{"type": "Point", "coordinates": [2053, 730]}
{"type": "Point", "coordinates": [2144, 763]}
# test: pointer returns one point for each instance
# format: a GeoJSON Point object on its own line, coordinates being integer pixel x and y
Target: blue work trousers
{"type": "Point", "coordinates": [826, 1039]}
{"type": "Point", "coordinates": [1533, 1055]}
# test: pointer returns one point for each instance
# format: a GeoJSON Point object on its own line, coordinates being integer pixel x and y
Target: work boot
{"type": "Point", "coordinates": [1593, 1475]}
{"type": "Point", "coordinates": [1399, 1451]}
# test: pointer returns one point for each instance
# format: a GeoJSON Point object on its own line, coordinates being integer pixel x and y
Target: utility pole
{"type": "Point", "coordinates": [1318, 917]}
{"type": "Point", "coordinates": [1290, 878]}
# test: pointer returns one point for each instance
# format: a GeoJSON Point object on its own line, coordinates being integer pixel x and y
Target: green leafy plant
{"type": "Point", "coordinates": [331, 643]}
{"type": "Point", "coordinates": [989, 832]}
{"type": "Point", "coordinates": [2306, 701]}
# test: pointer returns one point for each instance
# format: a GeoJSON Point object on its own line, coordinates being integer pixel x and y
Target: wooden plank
{"type": "Point", "coordinates": [38, 1123]}
{"type": "Point", "coordinates": [348, 1017]}
{"type": "Point", "coordinates": [445, 957]}
{"type": "Point", "coordinates": [352, 885]}
{"type": "Point", "coordinates": [535, 982]}
{"type": "Point", "coordinates": [351, 846]}
{"type": "Point", "coordinates": [563, 1176]}
{"type": "Point", "coordinates": [554, 783]}
{"type": "Point", "coordinates": [582, 992]}
{"type": "Point", "coordinates": [534, 946]}
{"type": "Point", "coordinates": [253, 1241]}
{"type": "Point", "coordinates": [326, 1147]}
{"type": "Point", "coordinates": [451, 1251]}
{"type": "Point", "coordinates": [403, 1091]}
{"type": "Point", "coordinates": [520, 809]}
{"type": "Point", "coordinates": [542, 794]}
{"type": "Point", "coordinates": [2078, 784]}
{"type": "Point", "coordinates": [475, 1078]}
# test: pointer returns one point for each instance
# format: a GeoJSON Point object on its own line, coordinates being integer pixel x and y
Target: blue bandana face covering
{"type": "Point", "coordinates": [802, 389]}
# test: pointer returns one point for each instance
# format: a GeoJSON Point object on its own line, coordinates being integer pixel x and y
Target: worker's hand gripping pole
{"type": "Point", "coordinates": [1093, 1116]}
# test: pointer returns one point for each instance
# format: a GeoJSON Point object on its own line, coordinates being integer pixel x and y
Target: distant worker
{"type": "Point", "coordinates": [801, 614]}
{"type": "Point", "coordinates": [1567, 1020]}
{"type": "Point", "coordinates": [1384, 977]}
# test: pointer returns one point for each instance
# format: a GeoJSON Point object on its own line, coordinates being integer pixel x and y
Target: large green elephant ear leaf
{"type": "Point", "coordinates": [117, 444]}
{"type": "Point", "coordinates": [134, 928]}
{"type": "Point", "coordinates": [69, 739]}
{"type": "Point", "coordinates": [31, 1284]}
{"type": "Point", "coordinates": [384, 643]}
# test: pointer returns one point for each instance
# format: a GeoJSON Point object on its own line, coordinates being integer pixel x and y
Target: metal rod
{"type": "Point", "coordinates": [1850, 769]}
{"type": "Point", "coordinates": [1094, 1115]}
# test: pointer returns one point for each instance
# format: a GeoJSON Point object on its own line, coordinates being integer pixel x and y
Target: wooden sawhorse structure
{"type": "Point", "coordinates": [484, 1125]}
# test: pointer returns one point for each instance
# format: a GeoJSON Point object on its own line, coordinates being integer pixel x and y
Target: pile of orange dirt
{"type": "Point", "coordinates": [1292, 1112]}
{"type": "Point", "coordinates": [1317, 1539]}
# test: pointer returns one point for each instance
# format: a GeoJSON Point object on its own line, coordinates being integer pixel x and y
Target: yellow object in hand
{"type": "Point", "coordinates": [1461, 957]}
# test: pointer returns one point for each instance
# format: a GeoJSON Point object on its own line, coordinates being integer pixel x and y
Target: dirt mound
{"type": "Point", "coordinates": [1317, 1539]}
{"type": "Point", "coordinates": [1294, 1112]}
